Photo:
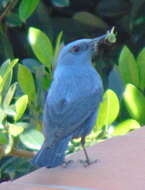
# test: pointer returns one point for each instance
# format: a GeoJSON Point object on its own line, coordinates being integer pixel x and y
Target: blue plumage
{"type": "Point", "coordinates": [72, 101]}
{"type": "Point", "coordinates": [51, 157]}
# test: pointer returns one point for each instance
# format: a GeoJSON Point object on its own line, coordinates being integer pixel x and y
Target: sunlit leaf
{"type": "Point", "coordinates": [21, 105]}
{"type": "Point", "coordinates": [6, 67]}
{"type": "Point", "coordinates": [26, 8]}
{"type": "Point", "coordinates": [10, 110]}
{"type": "Point", "coordinates": [26, 81]}
{"type": "Point", "coordinates": [8, 147]}
{"type": "Point", "coordinates": [141, 66]}
{"type": "Point", "coordinates": [124, 127]}
{"type": "Point", "coordinates": [1, 87]}
{"type": "Point", "coordinates": [3, 138]}
{"type": "Point", "coordinates": [1, 126]}
{"type": "Point", "coordinates": [128, 67]}
{"type": "Point", "coordinates": [135, 103]}
{"type": "Point", "coordinates": [24, 125]}
{"type": "Point", "coordinates": [9, 96]}
{"type": "Point", "coordinates": [7, 83]}
{"type": "Point", "coordinates": [41, 46]}
{"type": "Point", "coordinates": [6, 71]}
{"type": "Point", "coordinates": [15, 130]}
{"type": "Point", "coordinates": [2, 115]}
{"type": "Point", "coordinates": [108, 109]}
{"type": "Point", "coordinates": [32, 139]}
{"type": "Point", "coordinates": [58, 43]}
{"type": "Point", "coordinates": [1, 80]}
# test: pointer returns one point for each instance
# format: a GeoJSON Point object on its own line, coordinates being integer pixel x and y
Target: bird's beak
{"type": "Point", "coordinates": [99, 39]}
{"type": "Point", "coordinates": [95, 42]}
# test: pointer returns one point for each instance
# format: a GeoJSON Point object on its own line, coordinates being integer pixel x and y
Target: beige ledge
{"type": "Point", "coordinates": [120, 166]}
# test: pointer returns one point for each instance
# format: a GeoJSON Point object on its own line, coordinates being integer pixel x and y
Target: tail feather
{"type": "Point", "coordinates": [51, 157]}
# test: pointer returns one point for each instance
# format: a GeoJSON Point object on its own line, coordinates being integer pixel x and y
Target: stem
{"type": "Point", "coordinates": [20, 153]}
{"type": "Point", "coordinates": [9, 7]}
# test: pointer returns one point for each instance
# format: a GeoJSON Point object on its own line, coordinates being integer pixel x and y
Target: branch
{"type": "Point", "coordinates": [7, 9]}
{"type": "Point", "coordinates": [20, 153]}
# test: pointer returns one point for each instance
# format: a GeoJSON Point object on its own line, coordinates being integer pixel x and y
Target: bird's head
{"type": "Point", "coordinates": [80, 51]}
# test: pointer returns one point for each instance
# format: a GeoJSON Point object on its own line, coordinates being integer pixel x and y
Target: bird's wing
{"type": "Point", "coordinates": [64, 115]}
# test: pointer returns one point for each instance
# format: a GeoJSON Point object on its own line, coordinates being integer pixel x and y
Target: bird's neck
{"type": "Point", "coordinates": [75, 64]}
{"type": "Point", "coordinates": [74, 70]}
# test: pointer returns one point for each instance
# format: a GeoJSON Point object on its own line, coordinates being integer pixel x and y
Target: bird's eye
{"type": "Point", "coordinates": [75, 49]}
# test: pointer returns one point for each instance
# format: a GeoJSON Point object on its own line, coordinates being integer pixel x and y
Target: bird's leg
{"type": "Point", "coordinates": [87, 162]}
{"type": "Point", "coordinates": [85, 151]}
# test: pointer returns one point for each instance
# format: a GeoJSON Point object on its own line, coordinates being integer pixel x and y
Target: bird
{"type": "Point", "coordinates": [72, 101]}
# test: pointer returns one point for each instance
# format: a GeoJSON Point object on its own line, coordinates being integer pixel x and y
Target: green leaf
{"type": "Point", "coordinates": [32, 139]}
{"type": "Point", "coordinates": [128, 67]}
{"type": "Point", "coordinates": [10, 110]}
{"type": "Point", "coordinates": [7, 67]}
{"type": "Point", "coordinates": [135, 103]}
{"type": "Point", "coordinates": [13, 20]}
{"type": "Point", "coordinates": [6, 73]}
{"type": "Point", "coordinates": [86, 17]}
{"type": "Point", "coordinates": [108, 109]}
{"type": "Point", "coordinates": [26, 8]}
{"type": "Point", "coordinates": [2, 115]}
{"type": "Point", "coordinates": [9, 146]}
{"type": "Point", "coordinates": [41, 46]}
{"type": "Point", "coordinates": [21, 105]}
{"type": "Point", "coordinates": [46, 81]}
{"type": "Point", "coordinates": [141, 67]}
{"type": "Point", "coordinates": [58, 43]}
{"type": "Point", "coordinates": [3, 138]}
{"type": "Point", "coordinates": [1, 81]}
{"type": "Point", "coordinates": [15, 130]}
{"type": "Point", "coordinates": [1, 87]}
{"type": "Point", "coordinates": [24, 125]}
{"type": "Point", "coordinates": [124, 127]}
{"type": "Point", "coordinates": [9, 96]}
{"type": "Point", "coordinates": [61, 3]}
{"type": "Point", "coordinates": [7, 83]}
{"type": "Point", "coordinates": [26, 81]}
{"type": "Point", "coordinates": [1, 126]}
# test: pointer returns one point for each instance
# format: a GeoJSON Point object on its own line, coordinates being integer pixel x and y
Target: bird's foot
{"type": "Point", "coordinates": [67, 163]}
{"type": "Point", "coordinates": [87, 163]}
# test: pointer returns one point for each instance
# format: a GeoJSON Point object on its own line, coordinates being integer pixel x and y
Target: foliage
{"type": "Point", "coordinates": [108, 111]}
{"type": "Point", "coordinates": [131, 69]}
{"type": "Point", "coordinates": [13, 129]}
{"type": "Point", "coordinates": [28, 30]}
{"type": "Point", "coordinates": [26, 8]}
{"type": "Point", "coordinates": [38, 74]}
{"type": "Point", "coordinates": [10, 130]}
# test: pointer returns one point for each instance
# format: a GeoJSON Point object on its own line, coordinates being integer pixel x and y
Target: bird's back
{"type": "Point", "coordinates": [74, 94]}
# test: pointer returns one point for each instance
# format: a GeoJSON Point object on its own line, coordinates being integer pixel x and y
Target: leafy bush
{"type": "Point", "coordinates": [9, 130]}
{"type": "Point", "coordinates": [12, 108]}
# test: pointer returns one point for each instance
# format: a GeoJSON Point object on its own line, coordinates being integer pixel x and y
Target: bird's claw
{"type": "Point", "coordinates": [67, 163]}
{"type": "Point", "coordinates": [86, 163]}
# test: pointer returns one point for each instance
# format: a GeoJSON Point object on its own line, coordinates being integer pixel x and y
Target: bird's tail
{"type": "Point", "coordinates": [51, 157]}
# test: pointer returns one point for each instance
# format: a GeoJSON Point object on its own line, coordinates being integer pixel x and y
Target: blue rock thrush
{"type": "Point", "coordinates": [72, 101]}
